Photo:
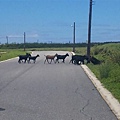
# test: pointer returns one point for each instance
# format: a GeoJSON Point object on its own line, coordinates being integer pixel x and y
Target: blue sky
{"type": "Point", "coordinates": [51, 20]}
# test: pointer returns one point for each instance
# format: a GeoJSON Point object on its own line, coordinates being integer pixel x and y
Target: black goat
{"type": "Point", "coordinates": [61, 57]}
{"type": "Point", "coordinates": [23, 57]}
{"type": "Point", "coordinates": [95, 61]}
{"type": "Point", "coordinates": [78, 59]}
{"type": "Point", "coordinates": [32, 58]}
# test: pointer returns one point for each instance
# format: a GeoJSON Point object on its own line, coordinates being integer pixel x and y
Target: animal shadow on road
{"type": "Point", "coordinates": [2, 109]}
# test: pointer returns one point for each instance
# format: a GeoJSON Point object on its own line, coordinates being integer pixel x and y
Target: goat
{"type": "Point", "coordinates": [61, 57]}
{"type": "Point", "coordinates": [78, 59]}
{"type": "Point", "coordinates": [51, 57]}
{"type": "Point", "coordinates": [32, 58]}
{"type": "Point", "coordinates": [95, 61]}
{"type": "Point", "coordinates": [23, 57]}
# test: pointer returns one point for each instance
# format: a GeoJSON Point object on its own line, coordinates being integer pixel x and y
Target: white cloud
{"type": "Point", "coordinates": [27, 35]}
{"type": "Point", "coordinates": [33, 35]}
{"type": "Point", "coordinates": [15, 36]}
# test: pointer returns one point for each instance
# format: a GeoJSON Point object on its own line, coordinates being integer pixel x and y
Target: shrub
{"type": "Point", "coordinates": [95, 50]}
{"type": "Point", "coordinates": [115, 73]}
{"type": "Point", "coordinates": [104, 70]}
{"type": "Point", "coordinates": [115, 57]}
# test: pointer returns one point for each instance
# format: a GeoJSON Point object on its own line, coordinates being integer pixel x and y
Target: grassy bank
{"type": "Point", "coordinates": [109, 71]}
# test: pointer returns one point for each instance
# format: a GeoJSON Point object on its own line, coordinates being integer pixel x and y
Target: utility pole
{"type": "Point", "coordinates": [24, 40]}
{"type": "Point", "coordinates": [74, 37]}
{"type": "Point", "coordinates": [7, 39]}
{"type": "Point", "coordinates": [89, 29]}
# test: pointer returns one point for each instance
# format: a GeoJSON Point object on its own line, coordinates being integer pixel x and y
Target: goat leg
{"type": "Point", "coordinates": [57, 61]}
{"type": "Point", "coordinates": [48, 61]}
{"type": "Point", "coordinates": [45, 61]}
{"type": "Point", "coordinates": [54, 61]}
{"type": "Point", "coordinates": [51, 61]}
{"type": "Point", "coordinates": [28, 60]}
{"type": "Point", "coordinates": [19, 61]}
{"type": "Point", "coordinates": [70, 61]}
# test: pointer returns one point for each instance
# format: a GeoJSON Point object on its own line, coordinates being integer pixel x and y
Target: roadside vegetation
{"type": "Point", "coordinates": [108, 72]}
{"type": "Point", "coordinates": [9, 53]}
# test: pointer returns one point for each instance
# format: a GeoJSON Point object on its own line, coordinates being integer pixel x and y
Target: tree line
{"type": "Point", "coordinates": [46, 45]}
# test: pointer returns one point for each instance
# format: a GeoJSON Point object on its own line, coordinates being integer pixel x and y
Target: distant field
{"type": "Point", "coordinates": [108, 72]}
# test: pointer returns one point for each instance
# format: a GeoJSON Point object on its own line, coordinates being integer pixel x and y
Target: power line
{"type": "Point", "coordinates": [7, 39]}
{"type": "Point", "coordinates": [24, 40]}
{"type": "Point", "coordinates": [73, 36]}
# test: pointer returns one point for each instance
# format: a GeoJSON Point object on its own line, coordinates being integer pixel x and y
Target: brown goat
{"type": "Point", "coordinates": [51, 57]}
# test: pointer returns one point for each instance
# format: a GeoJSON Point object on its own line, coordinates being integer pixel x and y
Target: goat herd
{"type": "Point", "coordinates": [76, 59]}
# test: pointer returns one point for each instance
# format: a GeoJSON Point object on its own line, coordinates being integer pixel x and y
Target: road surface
{"type": "Point", "coordinates": [41, 91]}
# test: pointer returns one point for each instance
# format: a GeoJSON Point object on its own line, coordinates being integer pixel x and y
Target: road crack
{"type": "Point", "coordinates": [82, 110]}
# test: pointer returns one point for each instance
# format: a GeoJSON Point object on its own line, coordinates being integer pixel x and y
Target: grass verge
{"type": "Point", "coordinates": [10, 53]}
{"type": "Point", "coordinates": [109, 71]}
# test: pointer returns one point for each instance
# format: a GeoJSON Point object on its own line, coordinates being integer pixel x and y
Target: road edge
{"type": "Point", "coordinates": [8, 59]}
{"type": "Point", "coordinates": [112, 102]}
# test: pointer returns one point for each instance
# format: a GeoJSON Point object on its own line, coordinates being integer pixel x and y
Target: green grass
{"type": "Point", "coordinates": [109, 71]}
{"type": "Point", "coordinates": [113, 87]}
{"type": "Point", "coordinates": [10, 53]}
{"type": "Point", "coordinates": [109, 75]}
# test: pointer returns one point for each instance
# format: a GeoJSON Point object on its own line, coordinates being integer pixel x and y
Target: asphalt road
{"type": "Point", "coordinates": [41, 91]}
